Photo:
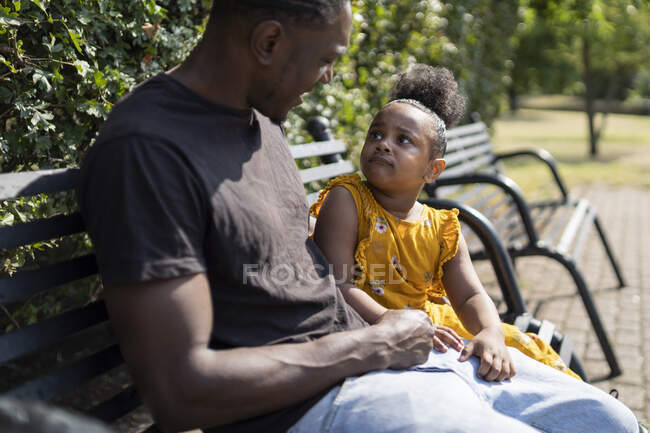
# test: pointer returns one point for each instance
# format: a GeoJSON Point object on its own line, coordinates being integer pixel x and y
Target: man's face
{"type": "Point", "coordinates": [307, 60]}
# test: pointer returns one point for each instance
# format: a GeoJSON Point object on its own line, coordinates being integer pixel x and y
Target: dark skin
{"type": "Point", "coordinates": [163, 326]}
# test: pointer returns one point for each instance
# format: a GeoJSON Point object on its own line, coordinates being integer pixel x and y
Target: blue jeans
{"type": "Point", "coordinates": [444, 396]}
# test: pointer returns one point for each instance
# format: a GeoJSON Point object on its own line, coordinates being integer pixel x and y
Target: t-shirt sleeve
{"type": "Point", "coordinates": [144, 211]}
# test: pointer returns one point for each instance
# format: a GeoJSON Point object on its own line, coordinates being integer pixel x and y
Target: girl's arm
{"type": "Point", "coordinates": [479, 316]}
{"type": "Point", "coordinates": [336, 234]}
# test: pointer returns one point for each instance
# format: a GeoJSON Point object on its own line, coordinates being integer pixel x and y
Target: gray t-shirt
{"type": "Point", "coordinates": [177, 185]}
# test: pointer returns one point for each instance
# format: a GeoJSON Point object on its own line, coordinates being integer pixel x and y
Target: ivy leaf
{"type": "Point", "coordinates": [76, 39]}
{"type": "Point", "coordinates": [40, 77]}
{"type": "Point", "coordinates": [99, 79]}
{"type": "Point", "coordinates": [8, 20]}
{"type": "Point", "coordinates": [82, 67]}
{"type": "Point", "coordinates": [17, 5]}
{"type": "Point", "coordinates": [50, 45]}
{"type": "Point", "coordinates": [8, 64]}
{"type": "Point", "coordinates": [42, 117]}
{"type": "Point", "coordinates": [21, 216]}
{"type": "Point", "coordinates": [93, 108]}
{"type": "Point", "coordinates": [7, 219]}
{"type": "Point", "coordinates": [38, 3]}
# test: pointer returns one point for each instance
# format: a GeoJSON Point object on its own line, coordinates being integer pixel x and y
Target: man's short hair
{"type": "Point", "coordinates": [298, 11]}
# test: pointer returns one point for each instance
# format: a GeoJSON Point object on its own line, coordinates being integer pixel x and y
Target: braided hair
{"type": "Point", "coordinates": [300, 11]}
{"type": "Point", "coordinates": [434, 91]}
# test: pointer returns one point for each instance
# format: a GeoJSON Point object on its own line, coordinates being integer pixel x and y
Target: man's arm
{"type": "Point", "coordinates": [164, 328]}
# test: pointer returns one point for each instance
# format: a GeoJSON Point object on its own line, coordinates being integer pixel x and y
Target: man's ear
{"type": "Point", "coordinates": [436, 167]}
{"type": "Point", "coordinates": [265, 38]}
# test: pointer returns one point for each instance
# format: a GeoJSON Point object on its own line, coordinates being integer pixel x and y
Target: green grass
{"type": "Point", "coordinates": [624, 149]}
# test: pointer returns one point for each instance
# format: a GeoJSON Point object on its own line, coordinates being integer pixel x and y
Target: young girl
{"type": "Point", "coordinates": [406, 254]}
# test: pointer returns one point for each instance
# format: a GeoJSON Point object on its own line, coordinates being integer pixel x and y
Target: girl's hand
{"type": "Point", "coordinates": [489, 346]}
{"type": "Point", "coordinates": [444, 337]}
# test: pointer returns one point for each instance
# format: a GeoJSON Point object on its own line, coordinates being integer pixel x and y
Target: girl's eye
{"type": "Point", "coordinates": [403, 139]}
{"type": "Point", "coordinates": [376, 135]}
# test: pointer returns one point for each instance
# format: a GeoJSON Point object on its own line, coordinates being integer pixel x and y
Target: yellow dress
{"type": "Point", "coordinates": [400, 264]}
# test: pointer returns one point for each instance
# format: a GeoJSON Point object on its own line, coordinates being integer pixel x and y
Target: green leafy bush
{"type": "Point", "coordinates": [66, 62]}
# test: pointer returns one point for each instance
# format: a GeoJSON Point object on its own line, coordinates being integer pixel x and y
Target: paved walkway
{"type": "Point", "coordinates": [624, 213]}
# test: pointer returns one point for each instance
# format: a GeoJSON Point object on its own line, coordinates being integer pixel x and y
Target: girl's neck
{"type": "Point", "coordinates": [403, 206]}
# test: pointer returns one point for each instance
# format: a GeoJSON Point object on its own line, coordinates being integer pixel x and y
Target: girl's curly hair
{"type": "Point", "coordinates": [435, 91]}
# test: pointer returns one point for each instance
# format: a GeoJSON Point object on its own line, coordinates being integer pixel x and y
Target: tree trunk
{"type": "Point", "coordinates": [589, 93]}
{"type": "Point", "coordinates": [512, 99]}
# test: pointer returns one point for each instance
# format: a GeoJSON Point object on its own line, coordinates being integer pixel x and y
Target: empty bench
{"type": "Point", "coordinates": [56, 343]}
{"type": "Point", "coordinates": [555, 228]}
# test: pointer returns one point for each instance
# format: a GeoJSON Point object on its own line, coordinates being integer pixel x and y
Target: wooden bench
{"type": "Point", "coordinates": [67, 354]}
{"type": "Point", "coordinates": [554, 228]}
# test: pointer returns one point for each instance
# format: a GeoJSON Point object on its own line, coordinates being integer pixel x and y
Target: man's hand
{"type": "Point", "coordinates": [489, 346]}
{"type": "Point", "coordinates": [409, 335]}
{"type": "Point", "coordinates": [445, 337]}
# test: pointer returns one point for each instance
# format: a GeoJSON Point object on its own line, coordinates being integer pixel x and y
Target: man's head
{"type": "Point", "coordinates": [300, 11]}
{"type": "Point", "coordinates": [291, 45]}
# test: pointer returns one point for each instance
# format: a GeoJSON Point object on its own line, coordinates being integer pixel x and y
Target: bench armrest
{"type": "Point", "coordinates": [543, 156]}
{"type": "Point", "coordinates": [499, 257]}
{"type": "Point", "coordinates": [505, 183]}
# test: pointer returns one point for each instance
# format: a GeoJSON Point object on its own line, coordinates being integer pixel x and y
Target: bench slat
{"type": "Point", "coordinates": [47, 332]}
{"type": "Point", "coordinates": [566, 350]}
{"type": "Point", "coordinates": [26, 283]}
{"type": "Point", "coordinates": [572, 227]}
{"type": "Point", "coordinates": [466, 154]}
{"type": "Point", "coordinates": [470, 128]}
{"type": "Point", "coordinates": [41, 230]}
{"type": "Point", "coordinates": [69, 377]}
{"type": "Point", "coordinates": [326, 171]}
{"type": "Point", "coordinates": [546, 331]}
{"type": "Point", "coordinates": [582, 235]}
{"type": "Point", "coordinates": [469, 142]}
{"type": "Point", "coordinates": [28, 183]}
{"type": "Point", "coordinates": [469, 167]}
{"type": "Point", "coordinates": [299, 151]}
{"type": "Point", "coordinates": [126, 401]}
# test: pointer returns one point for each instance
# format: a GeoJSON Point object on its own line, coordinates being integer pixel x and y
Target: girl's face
{"type": "Point", "coordinates": [396, 155]}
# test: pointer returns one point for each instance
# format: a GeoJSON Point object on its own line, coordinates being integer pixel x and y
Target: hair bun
{"type": "Point", "coordinates": [433, 87]}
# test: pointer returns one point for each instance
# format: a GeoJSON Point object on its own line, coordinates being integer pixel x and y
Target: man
{"type": "Point", "coordinates": [189, 186]}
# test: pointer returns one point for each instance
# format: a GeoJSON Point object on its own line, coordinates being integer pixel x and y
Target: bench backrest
{"type": "Point", "coordinates": [321, 160]}
{"type": "Point", "coordinates": [468, 150]}
{"type": "Point", "coordinates": [67, 344]}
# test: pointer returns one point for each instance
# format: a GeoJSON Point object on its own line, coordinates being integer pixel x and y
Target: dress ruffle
{"type": "Point", "coordinates": [449, 239]}
{"type": "Point", "coordinates": [365, 208]}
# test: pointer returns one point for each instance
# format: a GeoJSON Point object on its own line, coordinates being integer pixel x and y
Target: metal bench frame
{"type": "Point", "coordinates": [473, 165]}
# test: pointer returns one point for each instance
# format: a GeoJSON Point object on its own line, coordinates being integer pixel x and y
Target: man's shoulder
{"type": "Point", "coordinates": [141, 111]}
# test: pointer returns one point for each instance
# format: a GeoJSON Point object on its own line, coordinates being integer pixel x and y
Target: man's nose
{"type": "Point", "coordinates": [327, 75]}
